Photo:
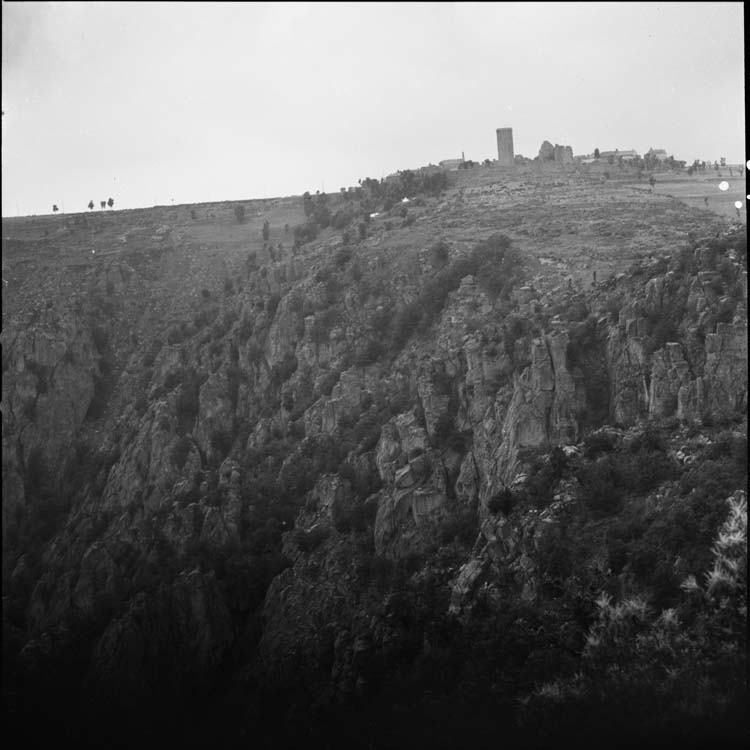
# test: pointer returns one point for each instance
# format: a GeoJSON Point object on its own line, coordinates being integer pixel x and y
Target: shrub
{"type": "Point", "coordinates": [439, 254]}
{"type": "Point", "coordinates": [493, 261]}
{"type": "Point", "coordinates": [100, 337]}
{"type": "Point", "coordinates": [342, 218]}
{"type": "Point", "coordinates": [649, 440]}
{"type": "Point", "coordinates": [367, 432]}
{"type": "Point", "coordinates": [381, 319]}
{"type": "Point", "coordinates": [173, 379]}
{"type": "Point", "coordinates": [245, 330]}
{"type": "Point", "coordinates": [306, 232]}
{"type": "Point", "coordinates": [406, 321]}
{"type": "Point", "coordinates": [178, 333]}
{"type": "Point", "coordinates": [598, 443]}
{"type": "Point", "coordinates": [272, 304]}
{"type": "Point", "coordinates": [343, 256]}
{"type": "Point", "coordinates": [221, 441]}
{"type": "Point", "coordinates": [239, 213]}
{"type": "Point", "coordinates": [582, 339]}
{"type": "Point", "coordinates": [99, 400]}
{"type": "Point", "coordinates": [729, 445]}
{"type": "Point", "coordinates": [555, 554]}
{"type": "Point", "coordinates": [180, 451]}
{"type": "Point", "coordinates": [502, 502]}
{"type": "Point", "coordinates": [324, 323]}
{"type": "Point", "coordinates": [444, 428]}
{"type": "Point", "coordinates": [309, 541]}
{"type": "Point", "coordinates": [282, 371]}
{"type": "Point", "coordinates": [369, 352]}
{"type": "Point", "coordinates": [462, 528]}
{"type": "Point", "coordinates": [644, 471]}
{"type": "Point", "coordinates": [187, 401]}
{"type": "Point", "coordinates": [358, 517]}
{"type": "Point", "coordinates": [328, 381]}
{"type": "Point", "coordinates": [663, 329]}
{"type": "Point", "coordinates": [600, 487]}
{"type": "Point", "coordinates": [205, 316]}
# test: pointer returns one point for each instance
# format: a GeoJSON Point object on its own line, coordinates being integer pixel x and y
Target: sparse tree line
{"type": "Point", "coordinates": [701, 166]}
{"type": "Point", "coordinates": [102, 204]}
{"type": "Point", "coordinates": [357, 203]}
{"type": "Point", "coordinates": [650, 162]}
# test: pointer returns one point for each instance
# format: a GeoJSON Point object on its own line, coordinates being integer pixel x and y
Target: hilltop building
{"type": "Point", "coordinates": [505, 147]}
{"type": "Point", "coordinates": [451, 164]}
{"type": "Point", "coordinates": [658, 153]}
{"type": "Point", "coordinates": [626, 154]}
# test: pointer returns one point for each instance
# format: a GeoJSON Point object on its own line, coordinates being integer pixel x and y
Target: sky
{"type": "Point", "coordinates": [154, 103]}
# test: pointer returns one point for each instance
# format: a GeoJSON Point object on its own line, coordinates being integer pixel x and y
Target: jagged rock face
{"type": "Point", "coordinates": [305, 609]}
{"type": "Point", "coordinates": [188, 626]}
{"type": "Point", "coordinates": [414, 487]}
{"type": "Point", "coordinates": [220, 528]}
{"type": "Point", "coordinates": [435, 401]}
{"type": "Point", "coordinates": [669, 373]}
{"type": "Point", "coordinates": [509, 544]}
{"type": "Point", "coordinates": [345, 401]}
{"type": "Point", "coordinates": [145, 474]}
{"type": "Point", "coordinates": [205, 427]}
{"type": "Point", "coordinates": [628, 371]}
{"type": "Point", "coordinates": [327, 503]}
{"type": "Point", "coordinates": [216, 410]}
{"type": "Point", "coordinates": [45, 399]}
{"type": "Point", "coordinates": [722, 389]}
{"type": "Point", "coordinates": [542, 412]}
{"type": "Point", "coordinates": [687, 378]}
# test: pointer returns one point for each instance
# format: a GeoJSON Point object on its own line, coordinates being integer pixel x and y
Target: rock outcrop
{"type": "Point", "coordinates": [213, 455]}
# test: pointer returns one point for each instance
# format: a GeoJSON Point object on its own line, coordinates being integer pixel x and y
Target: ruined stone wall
{"type": "Point", "coordinates": [558, 154]}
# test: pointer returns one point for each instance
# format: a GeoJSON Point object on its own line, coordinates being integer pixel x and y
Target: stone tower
{"type": "Point", "coordinates": [505, 147]}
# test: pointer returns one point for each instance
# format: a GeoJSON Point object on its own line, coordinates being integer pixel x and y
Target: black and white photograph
{"type": "Point", "coordinates": [374, 375]}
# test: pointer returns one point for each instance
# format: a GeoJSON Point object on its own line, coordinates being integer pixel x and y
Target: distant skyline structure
{"type": "Point", "coordinates": [505, 147]}
{"type": "Point", "coordinates": [226, 127]}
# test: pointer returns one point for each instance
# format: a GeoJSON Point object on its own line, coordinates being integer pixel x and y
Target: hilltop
{"type": "Point", "coordinates": [391, 475]}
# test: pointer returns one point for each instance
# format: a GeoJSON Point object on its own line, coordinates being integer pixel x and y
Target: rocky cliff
{"type": "Point", "coordinates": [295, 462]}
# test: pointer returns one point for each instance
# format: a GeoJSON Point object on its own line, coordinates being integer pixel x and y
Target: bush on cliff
{"type": "Point", "coordinates": [495, 264]}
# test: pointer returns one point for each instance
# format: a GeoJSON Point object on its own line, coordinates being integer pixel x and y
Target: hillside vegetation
{"type": "Point", "coordinates": [357, 471]}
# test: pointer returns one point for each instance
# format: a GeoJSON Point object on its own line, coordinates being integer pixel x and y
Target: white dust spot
{"type": "Point", "coordinates": [738, 204]}
{"type": "Point", "coordinates": [724, 185]}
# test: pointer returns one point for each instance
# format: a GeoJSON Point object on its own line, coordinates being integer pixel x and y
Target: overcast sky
{"type": "Point", "coordinates": [154, 102]}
